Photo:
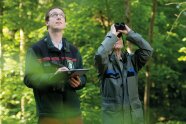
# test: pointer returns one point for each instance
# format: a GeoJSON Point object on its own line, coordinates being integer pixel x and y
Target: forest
{"type": "Point", "coordinates": [162, 82]}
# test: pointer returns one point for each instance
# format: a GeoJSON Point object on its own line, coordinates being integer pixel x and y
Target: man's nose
{"type": "Point", "coordinates": [59, 17]}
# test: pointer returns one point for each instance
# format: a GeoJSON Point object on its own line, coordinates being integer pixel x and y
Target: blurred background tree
{"type": "Point", "coordinates": [22, 24]}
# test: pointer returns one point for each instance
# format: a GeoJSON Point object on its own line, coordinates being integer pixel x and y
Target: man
{"type": "Point", "coordinates": [46, 61]}
{"type": "Point", "coordinates": [118, 76]}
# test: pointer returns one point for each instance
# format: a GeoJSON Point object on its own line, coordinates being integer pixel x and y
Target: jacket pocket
{"type": "Point", "coordinates": [131, 72]}
{"type": "Point", "coordinates": [112, 112]}
{"type": "Point", "coordinates": [132, 87]}
{"type": "Point", "coordinates": [112, 74]}
{"type": "Point", "coordinates": [110, 88]}
{"type": "Point", "coordinates": [109, 104]}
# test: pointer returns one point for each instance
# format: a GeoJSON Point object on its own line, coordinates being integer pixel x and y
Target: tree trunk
{"type": "Point", "coordinates": [23, 109]}
{"type": "Point", "coordinates": [1, 39]}
{"type": "Point", "coordinates": [103, 21]}
{"type": "Point", "coordinates": [1, 49]}
{"type": "Point", "coordinates": [21, 63]}
{"type": "Point", "coordinates": [108, 12]}
{"type": "Point", "coordinates": [22, 52]}
{"type": "Point", "coordinates": [127, 20]}
{"type": "Point", "coordinates": [148, 74]}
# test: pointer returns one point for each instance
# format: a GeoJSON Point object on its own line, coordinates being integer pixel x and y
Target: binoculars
{"type": "Point", "coordinates": [120, 26]}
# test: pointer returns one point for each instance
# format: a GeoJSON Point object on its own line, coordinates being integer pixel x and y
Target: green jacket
{"type": "Point", "coordinates": [119, 85]}
{"type": "Point", "coordinates": [53, 95]}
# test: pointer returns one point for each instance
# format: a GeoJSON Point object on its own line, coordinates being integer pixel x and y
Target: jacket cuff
{"type": "Point", "coordinates": [109, 41]}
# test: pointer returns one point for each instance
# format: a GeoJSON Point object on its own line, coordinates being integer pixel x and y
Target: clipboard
{"type": "Point", "coordinates": [65, 75]}
{"type": "Point", "coordinates": [78, 72]}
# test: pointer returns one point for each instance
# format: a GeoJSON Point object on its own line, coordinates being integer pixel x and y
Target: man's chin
{"type": "Point", "coordinates": [57, 29]}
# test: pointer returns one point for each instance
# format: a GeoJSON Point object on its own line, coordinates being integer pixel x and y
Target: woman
{"type": "Point", "coordinates": [118, 76]}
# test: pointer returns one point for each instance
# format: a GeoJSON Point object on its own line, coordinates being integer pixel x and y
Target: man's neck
{"type": "Point", "coordinates": [55, 36]}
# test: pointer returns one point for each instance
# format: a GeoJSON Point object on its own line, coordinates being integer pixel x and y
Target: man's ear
{"type": "Point", "coordinates": [46, 23]}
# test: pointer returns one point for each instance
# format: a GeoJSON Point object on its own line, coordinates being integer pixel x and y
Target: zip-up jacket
{"type": "Point", "coordinates": [119, 87]}
{"type": "Point", "coordinates": [53, 95]}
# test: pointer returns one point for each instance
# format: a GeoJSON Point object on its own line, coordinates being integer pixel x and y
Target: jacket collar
{"type": "Point", "coordinates": [113, 58]}
{"type": "Point", "coordinates": [66, 45]}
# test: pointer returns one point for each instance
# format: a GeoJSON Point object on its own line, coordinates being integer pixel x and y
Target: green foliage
{"type": "Point", "coordinates": [88, 22]}
{"type": "Point", "coordinates": [182, 50]}
{"type": "Point", "coordinates": [164, 89]}
{"type": "Point", "coordinates": [172, 122]}
{"type": "Point", "coordinates": [13, 92]}
{"type": "Point", "coordinates": [90, 104]}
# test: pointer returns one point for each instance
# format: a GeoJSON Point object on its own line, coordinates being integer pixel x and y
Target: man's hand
{"type": "Point", "coordinates": [61, 70]}
{"type": "Point", "coordinates": [75, 81]}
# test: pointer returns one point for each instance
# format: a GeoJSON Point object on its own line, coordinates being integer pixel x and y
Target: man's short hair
{"type": "Point", "coordinates": [47, 13]}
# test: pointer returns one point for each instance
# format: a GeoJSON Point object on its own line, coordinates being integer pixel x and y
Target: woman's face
{"type": "Point", "coordinates": [119, 44]}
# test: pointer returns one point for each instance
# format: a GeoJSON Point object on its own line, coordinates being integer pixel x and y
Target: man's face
{"type": "Point", "coordinates": [119, 44]}
{"type": "Point", "coordinates": [56, 19]}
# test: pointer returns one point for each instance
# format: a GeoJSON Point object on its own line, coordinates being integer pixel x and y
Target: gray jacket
{"type": "Point", "coordinates": [119, 85]}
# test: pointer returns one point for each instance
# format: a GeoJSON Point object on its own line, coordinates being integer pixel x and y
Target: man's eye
{"type": "Point", "coordinates": [61, 15]}
{"type": "Point", "coordinates": [55, 14]}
